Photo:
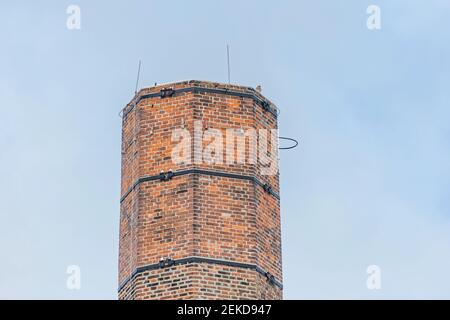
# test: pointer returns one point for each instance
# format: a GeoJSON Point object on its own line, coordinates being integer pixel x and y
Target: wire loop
{"type": "Point", "coordinates": [289, 139]}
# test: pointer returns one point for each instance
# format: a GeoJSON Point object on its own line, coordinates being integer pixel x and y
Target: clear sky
{"type": "Point", "coordinates": [368, 185]}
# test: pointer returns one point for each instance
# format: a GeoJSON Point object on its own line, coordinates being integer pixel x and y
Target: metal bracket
{"type": "Point", "coordinates": [166, 176]}
{"type": "Point", "coordinates": [166, 92]}
{"type": "Point", "coordinates": [267, 188]}
{"type": "Point", "coordinates": [270, 277]}
{"type": "Point", "coordinates": [265, 105]}
{"type": "Point", "coordinates": [166, 262]}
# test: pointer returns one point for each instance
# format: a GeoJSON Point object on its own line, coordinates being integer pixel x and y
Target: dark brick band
{"type": "Point", "coordinates": [188, 260]}
{"type": "Point", "coordinates": [163, 93]}
{"type": "Point", "coordinates": [266, 187]}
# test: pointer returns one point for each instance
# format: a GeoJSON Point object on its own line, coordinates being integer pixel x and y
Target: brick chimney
{"type": "Point", "coordinates": [200, 223]}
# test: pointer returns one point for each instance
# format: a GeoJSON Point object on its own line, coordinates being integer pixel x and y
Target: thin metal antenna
{"type": "Point", "coordinates": [137, 79]}
{"type": "Point", "coordinates": [228, 60]}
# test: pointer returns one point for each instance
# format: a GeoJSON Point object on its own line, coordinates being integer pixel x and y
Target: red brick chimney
{"type": "Point", "coordinates": [194, 226]}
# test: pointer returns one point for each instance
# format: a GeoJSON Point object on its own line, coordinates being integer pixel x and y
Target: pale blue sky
{"type": "Point", "coordinates": [369, 183]}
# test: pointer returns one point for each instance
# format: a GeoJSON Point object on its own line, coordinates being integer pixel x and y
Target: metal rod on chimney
{"type": "Point", "coordinates": [228, 60]}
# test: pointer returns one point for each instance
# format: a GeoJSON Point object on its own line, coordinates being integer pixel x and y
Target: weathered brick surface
{"type": "Point", "coordinates": [195, 215]}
